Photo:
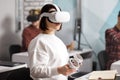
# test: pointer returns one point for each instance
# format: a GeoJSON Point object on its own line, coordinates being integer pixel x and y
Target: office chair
{"type": "Point", "coordinates": [15, 48]}
{"type": "Point", "coordinates": [19, 74]}
{"type": "Point", "coordinates": [102, 58]}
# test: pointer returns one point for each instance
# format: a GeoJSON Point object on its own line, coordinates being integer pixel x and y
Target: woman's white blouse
{"type": "Point", "coordinates": [46, 53]}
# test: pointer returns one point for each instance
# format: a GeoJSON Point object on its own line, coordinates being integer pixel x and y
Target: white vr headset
{"type": "Point", "coordinates": [58, 16]}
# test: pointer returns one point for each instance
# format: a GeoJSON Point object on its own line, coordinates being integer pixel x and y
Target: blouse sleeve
{"type": "Point", "coordinates": [39, 59]}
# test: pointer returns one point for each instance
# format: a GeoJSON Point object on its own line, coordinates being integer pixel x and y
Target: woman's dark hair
{"type": "Point", "coordinates": [45, 8]}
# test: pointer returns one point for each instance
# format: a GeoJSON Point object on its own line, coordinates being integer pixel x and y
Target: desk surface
{"type": "Point", "coordinates": [4, 66]}
{"type": "Point", "coordinates": [23, 56]}
{"type": "Point", "coordinates": [85, 77]}
{"type": "Point", "coordinates": [85, 53]}
{"type": "Point", "coordinates": [71, 52]}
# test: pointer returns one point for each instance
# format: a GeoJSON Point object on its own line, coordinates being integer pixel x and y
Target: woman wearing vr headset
{"type": "Point", "coordinates": [48, 55]}
{"type": "Point", "coordinates": [32, 30]}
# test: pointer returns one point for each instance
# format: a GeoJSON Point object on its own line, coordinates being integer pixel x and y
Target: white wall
{"type": "Point", "coordinates": [97, 16]}
{"type": "Point", "coordinates": [8, 35]}
{"type": "Point", "coordinates": [66, 34]}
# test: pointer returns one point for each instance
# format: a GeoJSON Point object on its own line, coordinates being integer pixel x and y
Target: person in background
{"type": "Point", "coordinates": [48, 55]}
{"type": "Point", "coordinates": [112, 37]}
{"type": "Point", "coordinates": [32, 30]}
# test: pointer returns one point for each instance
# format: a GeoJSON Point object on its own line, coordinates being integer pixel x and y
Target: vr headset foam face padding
{"type": "Point", "coordinates": [58, 16]}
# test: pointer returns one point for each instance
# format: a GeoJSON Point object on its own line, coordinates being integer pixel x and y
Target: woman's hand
{"type": "Point", "coordinates": [65, 70]}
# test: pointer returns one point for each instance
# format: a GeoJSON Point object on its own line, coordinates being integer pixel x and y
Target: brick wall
{"type": "Point", "coordinates": [32, 4]}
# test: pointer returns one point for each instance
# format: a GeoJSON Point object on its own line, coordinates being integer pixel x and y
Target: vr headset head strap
{"type": "Point", "coordinates": [57, 8]}
{"type": "Point", "coordinates": [57, 16]}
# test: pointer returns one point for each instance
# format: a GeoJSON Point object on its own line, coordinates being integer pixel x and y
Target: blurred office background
{"type": "Point", "coordinates": [93, 17]}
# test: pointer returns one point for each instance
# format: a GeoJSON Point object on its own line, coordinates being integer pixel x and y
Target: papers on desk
{"type": "Point", "coordinates": [103, 75]}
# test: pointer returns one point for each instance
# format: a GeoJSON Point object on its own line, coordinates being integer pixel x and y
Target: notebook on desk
{"type": "Point", "coordinates": [103, 75]}
{"type": "Point", "coordinates": [10, 64]}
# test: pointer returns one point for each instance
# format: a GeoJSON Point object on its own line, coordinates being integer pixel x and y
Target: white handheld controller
{"type": "Point", "coordinates": [76, 61]}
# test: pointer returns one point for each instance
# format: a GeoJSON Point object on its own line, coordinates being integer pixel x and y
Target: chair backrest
{"type": "Point", "coordinates": [102, 58]}
{"type": "Point", "coordinates": [15, 48]}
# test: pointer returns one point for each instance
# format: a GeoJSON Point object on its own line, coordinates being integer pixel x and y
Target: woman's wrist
{"type": "Point", "coordinates": [59, 70]}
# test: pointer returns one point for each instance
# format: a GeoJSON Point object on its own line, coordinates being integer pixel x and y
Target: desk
{"type": "Point", "coordinates": [6, 69]}
{"type": "Point", "coordinates": [85, 53]}
{"type": "Point", "coordinates": [85, 77]}
{"type": "Point", "coordinates": [116, 65]}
